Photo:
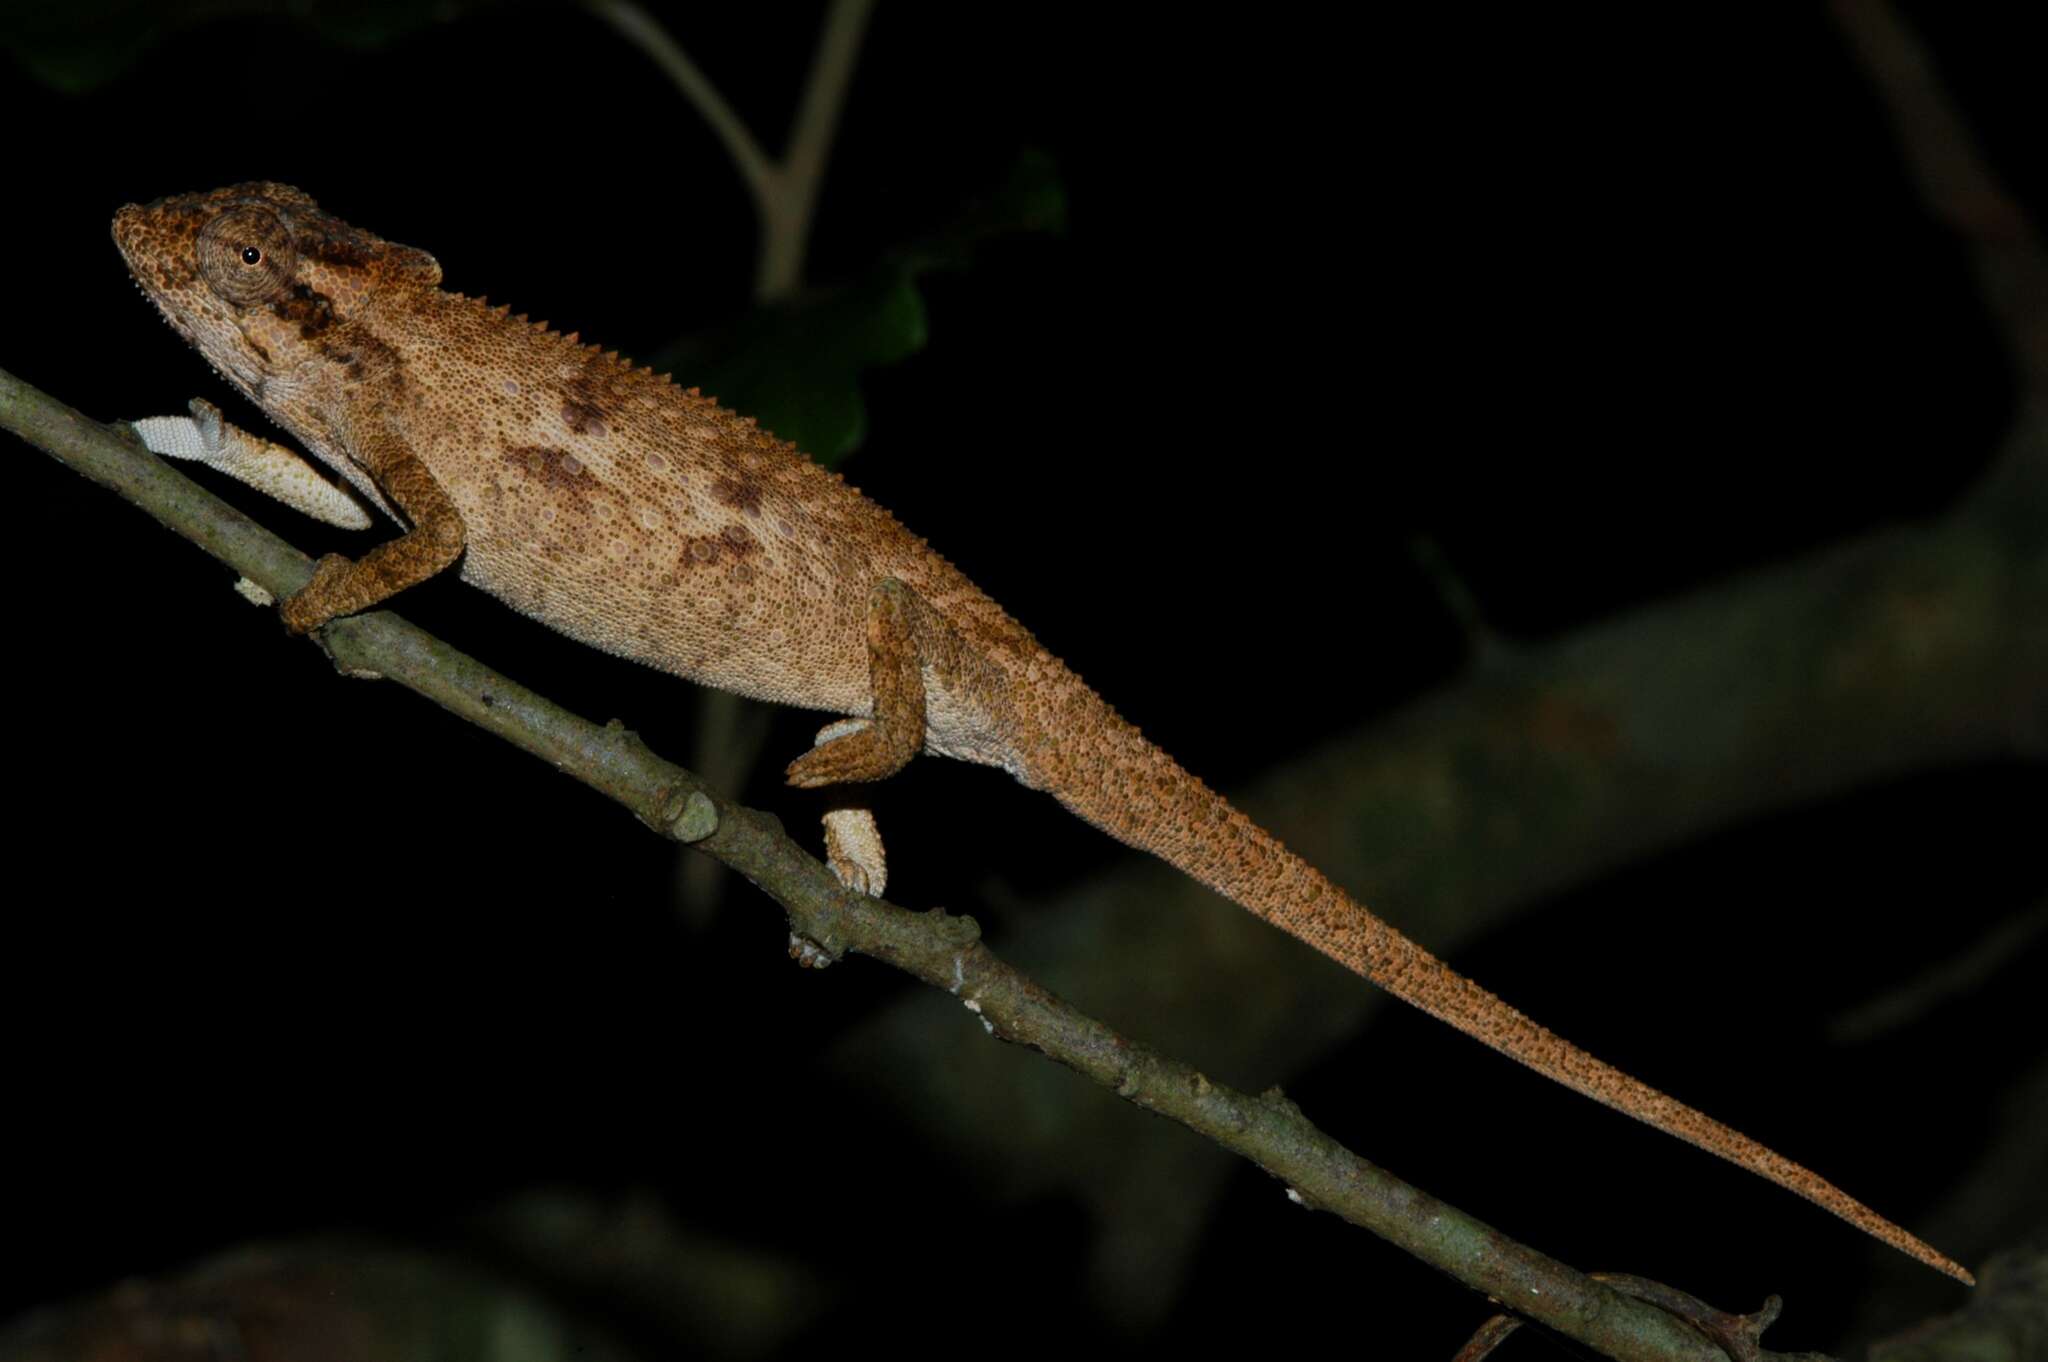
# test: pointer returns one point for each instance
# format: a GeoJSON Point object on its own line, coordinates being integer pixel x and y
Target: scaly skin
{"type": "Point", "coordinates": [646, 520]}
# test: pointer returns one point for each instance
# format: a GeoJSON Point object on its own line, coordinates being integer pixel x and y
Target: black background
{"type": "Point", "coordinates": [1608, 307]}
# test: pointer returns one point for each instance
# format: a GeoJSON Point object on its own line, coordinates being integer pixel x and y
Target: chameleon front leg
{"type": "Point", "coordinates": [853, 844]}
{"type": "Point", "coordinates": [894, 731]}
{"type": "Point", "coordinates": [205, 436]}
{"type": "Point", "coordinates": [343, 586]}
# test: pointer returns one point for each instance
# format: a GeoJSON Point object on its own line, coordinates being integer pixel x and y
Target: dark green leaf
{"type": "Point", "coordinates": [81, 44]}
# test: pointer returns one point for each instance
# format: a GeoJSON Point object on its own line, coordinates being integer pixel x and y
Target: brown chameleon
{"type": "Point", "coordinates": [646, 520]}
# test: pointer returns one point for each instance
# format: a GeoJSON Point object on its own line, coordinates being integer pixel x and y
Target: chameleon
{"type": "Point", "coordinates": [644, 519]}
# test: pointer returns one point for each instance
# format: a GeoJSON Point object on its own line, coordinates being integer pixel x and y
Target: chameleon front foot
{"type": "Point", "coordinates": [853, 849]}
{"type": "Point", "coordinates": [853, 844]}
{"type": "Point", "coordinates": [314, 604]}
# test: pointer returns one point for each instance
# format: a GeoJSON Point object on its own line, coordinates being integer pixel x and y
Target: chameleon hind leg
{"type": "Point", "coordinates": [893, 731]}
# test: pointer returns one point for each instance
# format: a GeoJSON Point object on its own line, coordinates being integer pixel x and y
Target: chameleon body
{"type": "Point", "coordinates": [646, 520]}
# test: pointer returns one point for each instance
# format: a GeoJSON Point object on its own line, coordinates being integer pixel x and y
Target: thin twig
{"type": "Point", "coordinates": [639, 28]}
{"type": "Point", "coordinates": [781, 265]}
{"type": "Point", "coordinates": [785, 192]}
{"type": "Point", "coordinates": [1956, 182]}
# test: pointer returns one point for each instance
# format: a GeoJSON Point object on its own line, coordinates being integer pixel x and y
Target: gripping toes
{"type": "Point", "coordinates": [321, 599]}
{"type": "Point", "coordinates": [853, 850]}
{"type": "Point", "coordinates": [861, 755]}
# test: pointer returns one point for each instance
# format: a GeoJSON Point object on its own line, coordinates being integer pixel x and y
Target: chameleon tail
{"type": "Point", "coordinates": [1136, 793]}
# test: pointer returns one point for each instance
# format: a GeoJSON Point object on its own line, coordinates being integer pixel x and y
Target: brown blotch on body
{"type": "Point", "coordinates": [554, 468]}
{"type": "Point", "coordinates": [706, 550]}
{"type": "Point", "coordinates": [741, 493]}
{"type": "Point", "coordinates": [583, 418]}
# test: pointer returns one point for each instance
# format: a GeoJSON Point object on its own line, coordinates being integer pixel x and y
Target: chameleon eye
{"type": "Point", "coordinates": [246, 255]}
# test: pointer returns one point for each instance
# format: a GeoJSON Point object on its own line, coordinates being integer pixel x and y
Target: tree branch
{"type": "Point", "coordinates": [942, 950]}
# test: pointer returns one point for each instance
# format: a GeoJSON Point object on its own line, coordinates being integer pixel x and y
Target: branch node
{"type": "Point", "coordinates": [957, 930]}
{"type": "Point", "coordinates": [1279, 1101]}
{"type": "Point", "coordinates": [695, 820]}
{"type": "Point", "coordinates": [617, 735]}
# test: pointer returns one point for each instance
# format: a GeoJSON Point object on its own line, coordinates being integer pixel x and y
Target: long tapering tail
{"type": "Point", "coordinates": [1136, 793]}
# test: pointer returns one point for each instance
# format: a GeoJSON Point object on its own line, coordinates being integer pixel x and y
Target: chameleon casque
{"type": "Point", "coordinates": [646, 520]}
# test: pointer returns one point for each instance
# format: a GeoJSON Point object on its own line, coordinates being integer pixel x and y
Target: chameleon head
{"type": "Point", "coordinates": [256, 276]}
